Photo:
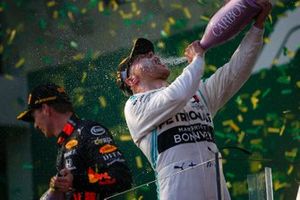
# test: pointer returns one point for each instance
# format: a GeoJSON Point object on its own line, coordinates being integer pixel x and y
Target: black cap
{"type": "Point", "coordinates": [46, 93]}
{"type": "Point", "coordinates": [140, 46]}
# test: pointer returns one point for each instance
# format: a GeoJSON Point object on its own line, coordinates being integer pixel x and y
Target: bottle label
{"type": "Point", "coordinates": [230, 18]}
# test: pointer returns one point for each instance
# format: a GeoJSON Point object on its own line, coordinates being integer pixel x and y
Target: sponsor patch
{"type": "Point", "coordinates": [71, 144]}
{"type": "Point", "coordinates": [104, 140]}
{"type": "Point", "coordinates": [69, 164]}
{"type": "Point", "coordinates": [111, 156]}
{"type": "Point", "coordinates": [102, 178]}
{"type": "Point", "coordinates": [69, 153]}
{"type": "Point", "coordinates": [108, 148]}
{"type": "Point", "coordinates": [97, 130]}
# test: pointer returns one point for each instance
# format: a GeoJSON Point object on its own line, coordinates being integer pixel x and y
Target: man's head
{"type": "Point", "coordinates": [140, 64]}
{"type": "Point", "coordinates": [44, 102]}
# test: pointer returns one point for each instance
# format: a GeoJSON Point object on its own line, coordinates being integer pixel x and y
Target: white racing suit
{"type": "Point", "coordinates": [173, 125]}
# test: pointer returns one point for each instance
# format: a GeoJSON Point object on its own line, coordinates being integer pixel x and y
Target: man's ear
{"type": "Point", "coordinates": [132, 80]}
{"type": "Point", "coordinates": [46, 109]}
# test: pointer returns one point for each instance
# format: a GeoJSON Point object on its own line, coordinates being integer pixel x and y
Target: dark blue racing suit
{"type": "Point", "coordinates": [88, 150]}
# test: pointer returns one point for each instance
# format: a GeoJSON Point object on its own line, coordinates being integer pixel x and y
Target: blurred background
{"type": "Point", "coordinates": [78, 44]}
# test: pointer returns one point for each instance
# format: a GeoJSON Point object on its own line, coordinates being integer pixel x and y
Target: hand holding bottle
{"type": "Point", "coordinates": [266, 8]}
{"type": "Point", "coordinates": [231, 19]}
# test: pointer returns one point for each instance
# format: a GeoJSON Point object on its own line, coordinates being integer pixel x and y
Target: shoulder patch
{"type": "Point", "coordinates": [108, 148]}
{"type": "Point", "coordinates": [97, 130]}
{"type": "Point", "coordinates": [72, 143]}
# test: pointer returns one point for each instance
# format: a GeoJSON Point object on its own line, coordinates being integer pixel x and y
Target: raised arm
{"type": "Point", "coordinates": [227, 80]}
{"type": "Point", "coordinates": [144, 112]}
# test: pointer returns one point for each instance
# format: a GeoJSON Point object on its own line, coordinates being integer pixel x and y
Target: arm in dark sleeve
{"type": "Point", "coordinates": [105, 170]}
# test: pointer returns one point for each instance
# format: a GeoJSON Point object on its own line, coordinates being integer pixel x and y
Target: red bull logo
{"type": "Point", "coordinates": [101, 178]}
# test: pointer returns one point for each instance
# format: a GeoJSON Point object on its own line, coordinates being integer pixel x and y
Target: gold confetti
{"type": "Point", "coordinates": [270, 18]}
{"type": "Point", "coordinates": [71, 16]}
{"type": "Point", "coordinates": [80, 99]}
{"type": "Point", "coordinates": [212, 68]}
{"type": "Point", "coordinates": [20, 63]}
{"type": "Point", "coordinates": [267, 40]}
{"type": "Point", "coordinates": [290, 170]}
{"type": "Point", "coordinates": [84, 75]}
{"type": "Point", "coordinates": [133, 7]}
{"type": "Point", "coordinates": [273, 130]}
{"type": "Point", "coordinates": [275, 62]}
{"type": "Point", "coordinates": [78, 56]}
{"type": "Point", "coordinates": [176, 6]}
{"type": "Point", "coordinates": [258, 122]}
{"type": "Point", "coordinates": [292, 153]}
{"type": "Point", "coordinates": [298, 84]}
{"type": "Point", "coordinates": [83, 10]}
{"type": "Point", "coordinates": [125, 138]}
{"type": "Point", "coordinates": [227, 122]}
{"type": "Point", "coordinates": [241, 137]}
{"type": "Point", "coordinates": [100, 6]}
{"type": "Point", "coordinates": [12, 36]}
{"type": "Point", "coordinates": [256, 93]}
{"type": "Point", "coordinates": [278, 185]}
{"type": "Point", "coordinates": [254, 102]}
{"type": "Point", "coordinates": [153, 25]}
{"type": "Point", "coordinates": [171, 20]}
{"type": "Point", "coordinates": [141, 197]}
{"type": "Point", "coordinates": [291, 54]}
{"type": "Point", "coordinates": [187, 13]}
{"type": "Point", "coordinates": [282, 130]}
{"type": "Point", "coordinates": [102, 101]}
{"type": "Point", "coordinates": [204, 18]}
{"type": "Point", "coordinates": [125, 15]}
{"type": "Point", "coordinates": [55, 14]}
{"type": "Point", "coordinates": [240, 118]}
{"type": "Point", "coordinates": [96, 54]}
{"type": "Point", "coordinates": [279, 4]}
{"type": "Point", "coordinates": [256, 141]}
{"type": "Point", "coordinates": [115, 5]}
{"type": "Point", "coordinates": [139, 162]}
{"type": "Point", "coordinates": [243, 109]}
{"type": "Point", "coordinates": [161, 45]}
{"type": "Point", "coordinates": [8, 77]}
{"type": "Point", "coordinates": [163, 33]}
{"type": "Point", "coordinates": [234, 127]}
{"type": "Point", "coordinates": [226, 152]}
{"type": "Point", "coordinates": [51, 4]}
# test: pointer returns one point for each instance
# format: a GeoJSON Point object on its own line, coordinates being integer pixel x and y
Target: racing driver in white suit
{"type": "Point", "coordinates": [172, 123]}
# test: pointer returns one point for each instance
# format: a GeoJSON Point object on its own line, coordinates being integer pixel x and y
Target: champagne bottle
{"type": "Point", "coordinates": [228, 21]}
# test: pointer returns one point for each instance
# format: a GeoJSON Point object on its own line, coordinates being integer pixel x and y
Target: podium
{"type": "Point", "coordinates": [260, 185]}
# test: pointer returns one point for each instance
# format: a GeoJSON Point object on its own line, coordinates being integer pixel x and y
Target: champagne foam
{"type": "Point", "coordinates": [173, 61]}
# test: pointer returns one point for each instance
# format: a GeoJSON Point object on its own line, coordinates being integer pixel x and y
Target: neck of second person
{"type": "Point", "coordinates": [150, 85]}
{"type": "Point", "coordinates": [61, 120]}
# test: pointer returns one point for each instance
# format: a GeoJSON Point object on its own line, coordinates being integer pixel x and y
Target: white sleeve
{"type": "Point", "coordinates": [143, 112]}
{"type": "Point", "coordinates": [227, 80]}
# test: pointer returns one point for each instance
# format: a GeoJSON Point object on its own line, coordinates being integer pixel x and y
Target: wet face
{"type": "Point", "coordinates": [149, 66]}
{"type": "Point", "coordinates": [42, 121]}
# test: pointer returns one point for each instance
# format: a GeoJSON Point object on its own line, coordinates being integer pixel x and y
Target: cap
{"type": "Point", "coordinates": [46, 93]}
{"type": "Point", "coordinates": [140, 46]}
